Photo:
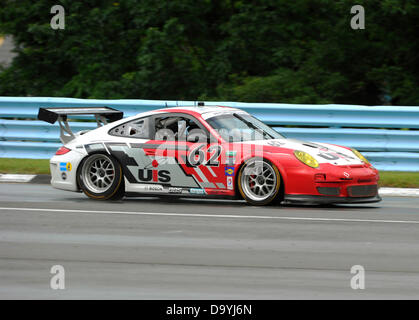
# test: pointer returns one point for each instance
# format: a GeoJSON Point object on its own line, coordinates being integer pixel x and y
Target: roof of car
{"type": "Point", "coordinates": [203, 110]}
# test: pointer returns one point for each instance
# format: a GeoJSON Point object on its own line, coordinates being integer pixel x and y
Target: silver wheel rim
{"type": "Point", "coordinates": [258, 180]}
{"type": "Point", "coordinates": [98, 173]}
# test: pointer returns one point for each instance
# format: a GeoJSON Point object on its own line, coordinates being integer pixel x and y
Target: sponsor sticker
{"type": "Point", "coordinates": [65, 166]}
{"type": "Point", "coordinates": [175, 190]}
{"type": "Point", "coordinates": [149, 188]}
{"type": "Point", "coordinates": [197, 191]}
{"type": "Point", "coordinates": [230, 158]}
{"type": "Point", "coordinates": [229, 171]}
{"type": "Point", "coordinates": [230, 183]}
{"type": "Point", "coordinates": [230, 161]}
{"type": "Point", "coordinates": [155, 188]}
{"type": "Point", "coordinates": [155, 175]}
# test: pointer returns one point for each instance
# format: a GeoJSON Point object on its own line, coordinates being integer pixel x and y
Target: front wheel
{"type": "Point", "coordinates": [101, 178]}
{"type": "Point", "coordinates": [259, 182]}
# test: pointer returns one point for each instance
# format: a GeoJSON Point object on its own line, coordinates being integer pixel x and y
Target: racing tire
{"type": "Point", "coordinates": [100, 177]}
{"type": "Point", "coordinates": [259, 182]}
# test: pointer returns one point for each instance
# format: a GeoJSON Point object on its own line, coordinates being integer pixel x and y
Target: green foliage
{"type": "Point", "coordinates": [297, 51]}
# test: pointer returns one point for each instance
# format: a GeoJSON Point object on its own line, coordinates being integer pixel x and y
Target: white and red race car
{"type": "Point", "coordinates": [203, 151]}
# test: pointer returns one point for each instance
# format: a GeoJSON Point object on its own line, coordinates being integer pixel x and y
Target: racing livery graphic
{"type": "Point", "coordinates": [203, 152]}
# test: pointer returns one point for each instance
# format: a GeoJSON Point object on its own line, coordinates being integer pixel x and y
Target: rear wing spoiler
{"type": "Point", "coordinates": [103, 115]}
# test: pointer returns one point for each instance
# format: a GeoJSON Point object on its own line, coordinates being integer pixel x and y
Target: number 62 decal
{"type": "Point", "coordinates": [197, 156]}
{"type": "Point", "coordinates": [334, 156]}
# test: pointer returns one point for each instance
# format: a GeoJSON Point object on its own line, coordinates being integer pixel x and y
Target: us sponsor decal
{"type": "Point", "coordinates": [155, 175]}
{"type": "Point", "coordinates": [229, 171]}
{"type": "Point", "coordinates": [65, 166]}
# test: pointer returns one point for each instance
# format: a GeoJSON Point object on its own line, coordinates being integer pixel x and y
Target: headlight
{"type": "Point", "coordinates": [305, 158]}
{"type": "Point", "coordinates": [360, 156]}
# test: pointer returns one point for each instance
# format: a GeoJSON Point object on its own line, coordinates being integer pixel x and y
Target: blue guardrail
{"type": "Point", "coordinates": [387, 135]}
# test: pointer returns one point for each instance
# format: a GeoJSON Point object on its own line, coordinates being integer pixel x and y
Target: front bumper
{"type": "Point", "coordinates": [332, 184]}
{"type": "Point", "coordinates": [328, 199]}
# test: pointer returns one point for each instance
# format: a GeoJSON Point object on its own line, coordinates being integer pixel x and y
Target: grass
{"type": "Point", "coordinates": [387, 178]}
{"type": "Point", "coordinates": [398, 179]}
{"type": "Point", "coordinates": [29, 166]}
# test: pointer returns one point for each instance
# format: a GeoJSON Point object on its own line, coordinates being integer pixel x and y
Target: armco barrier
{"type": "Point", "coordinates": [388, 135]}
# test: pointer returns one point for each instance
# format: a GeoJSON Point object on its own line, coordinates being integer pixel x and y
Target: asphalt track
{"type": "Point", "coordinates": [150, 248]}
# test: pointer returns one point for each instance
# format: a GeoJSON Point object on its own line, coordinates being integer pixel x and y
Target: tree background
{"type": "Point", "coordinates": [301, 51]}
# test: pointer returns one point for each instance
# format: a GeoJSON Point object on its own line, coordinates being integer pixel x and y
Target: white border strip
{"type": "Point", "coordinates": [399, 192]}
{"type": "Point", "coordinates": [199, 215]}
{"type": "Point", "coordinates": [16, 177]}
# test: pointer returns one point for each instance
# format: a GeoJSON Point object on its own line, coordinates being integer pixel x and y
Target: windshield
{"type": "Point", "coordinates": [237, 127]}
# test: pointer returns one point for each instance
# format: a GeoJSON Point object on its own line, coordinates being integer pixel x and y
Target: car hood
{"type": "Point", "coordinates": [322, 152]}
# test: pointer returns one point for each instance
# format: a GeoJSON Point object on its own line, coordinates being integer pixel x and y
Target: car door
{"type": "Point", "coordinates": [183, 148]}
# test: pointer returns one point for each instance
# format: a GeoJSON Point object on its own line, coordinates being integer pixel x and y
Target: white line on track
{"type": "Point", "coordinates": [202, 215]}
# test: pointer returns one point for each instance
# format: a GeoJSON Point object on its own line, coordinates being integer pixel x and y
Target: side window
{"type": "Point", "coordinates": [178, 128]}
{"type": "Point", "coordinates": [166, 128]}
{"type": "Point", "coordinates": [138, 128]}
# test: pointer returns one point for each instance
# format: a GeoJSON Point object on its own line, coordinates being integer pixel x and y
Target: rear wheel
{"type": "Point", "coordinates": [101, 178]}
{"type": "Point", "coordinates": [259, 182]}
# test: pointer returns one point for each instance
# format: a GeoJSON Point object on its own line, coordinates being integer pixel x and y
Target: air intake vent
{"type": "Point", "coordinates": [329, 191]}
{"type": "Point", "coordinates": [363, 191]}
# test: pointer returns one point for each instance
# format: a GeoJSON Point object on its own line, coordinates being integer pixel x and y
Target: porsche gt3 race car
{"type": "Point", "coordinates": [203, 151]}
